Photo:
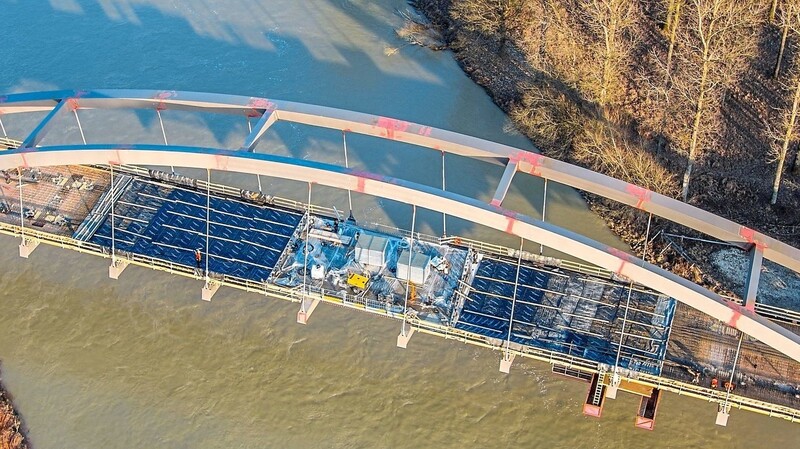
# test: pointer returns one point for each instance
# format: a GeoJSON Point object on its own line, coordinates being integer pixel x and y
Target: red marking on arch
{"type": "Point", "coordinates": [737, 313]}
{"type": "Point", "coordinates": [73, 104]}
{"type": "Point", "coordinates": [255, 104]}
{"type": "Point", "coordinates": [511, 219]}
{"type": "Point", "coordinates": [510, 225]}
{"type": "Point", "coordinates": [391, 126]}
{"type": "Point", "coordinates": [118, 155]}
{"type": "Point", "coordinates": [750, 236]}
{"type": "Point", "coordinates": [535, 161]}
{"type": "Point", "coordinates": [362, 177]}
{"type": "Point", "coordinates": [624, 258]}
{"type": "Point", "coordinates": [164, 95]}
{"type": "Point", "coordinates": [642, 194]}
{"type": "Point", "coordinates": [221, 162]}
{"type": "Point", "coordinates": [495, 202]}
{"type": "Point", "coordinates": [424, 131]}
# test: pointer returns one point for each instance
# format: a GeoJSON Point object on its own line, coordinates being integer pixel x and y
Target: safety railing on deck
{"type": "Point", "coordinates": [6, 143]}
{"type": "Point", "coordinates": [772, 312]}
{"type": "Point", "coordinates": [718, 396]}
{"type": "Point", "coordinates": [379, 308]}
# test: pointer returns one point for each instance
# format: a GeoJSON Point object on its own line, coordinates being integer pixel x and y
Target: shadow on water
{"type": "Point", "coordinates": [255, 52]}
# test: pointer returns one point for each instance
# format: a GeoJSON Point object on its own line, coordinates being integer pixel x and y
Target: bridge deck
{"type": "Point", "coordinates": [55, 199]}
{"type": "Point", "coordinates": [568, 312]}
{"type": "Point", "coordinates": [702, 348]}
{"type": "Point", "coordinates": [555, 309]}
{"type": "Point", "coordinates": [169, 223]}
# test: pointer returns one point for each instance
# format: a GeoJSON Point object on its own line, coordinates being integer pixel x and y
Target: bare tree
{"type": "Point", "coordinates": [671, 28]}
{"type": "Point", "coordinates": [790, 134]}
{"type": "Point", "coordinates": [718, 42]}
{"type": "Point", "coordinates": [772, 10]}
{"type": "Point", "coordinates": [610, 19]}
{"type": "Point", "coordinates": [788, 22]}
{"type": "Point", "coordinates": [499, 19]}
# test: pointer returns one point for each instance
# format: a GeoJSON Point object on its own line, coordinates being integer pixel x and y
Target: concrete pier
{"type": "Point", "coordinates": [306, 309]}
{"type": "Point", "coordinates": [27, 247]}
{"type": "Point", "coordinates": [117, 267]}
{"type": "Point", "coordinates": [405, 335]}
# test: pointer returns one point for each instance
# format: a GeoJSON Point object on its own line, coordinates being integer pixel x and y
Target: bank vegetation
{"type": "Point", "coordinates": [694, 99]}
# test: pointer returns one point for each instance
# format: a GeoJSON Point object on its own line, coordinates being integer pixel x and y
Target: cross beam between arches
{"type": "Point", "coordinates": [423, 196]}
{"type": "Point", "coordinates": [271, 111]}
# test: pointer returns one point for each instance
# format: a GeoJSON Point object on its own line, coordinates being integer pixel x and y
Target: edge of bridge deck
{"type": "Point", "coordinates": [271, 111]}
{"type": "Point", "coordinates": [411, 193]}
{"type": "Point", "coordinates": [311, 297]}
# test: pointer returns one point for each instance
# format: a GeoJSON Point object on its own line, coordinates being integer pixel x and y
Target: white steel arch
{"type": "Point", "coordinates": [399, 190]}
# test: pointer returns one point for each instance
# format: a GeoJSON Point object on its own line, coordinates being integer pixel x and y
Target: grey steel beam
{"type": "Point", "coordinates": [425, 136]}
{"type": "Point", "coordinates": [44, 126]}
{"type": "Point", "coordinates": [267, 119]}
{"type": "Point", "coordinates": [753, 278]}
{"type": "Point", "coordinates": [453, 204]}
{"type": "Point", "coordinates": [505, 183]}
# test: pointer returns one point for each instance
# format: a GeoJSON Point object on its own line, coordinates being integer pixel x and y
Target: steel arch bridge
{"type": "Point", "coordinates": [518, 162]}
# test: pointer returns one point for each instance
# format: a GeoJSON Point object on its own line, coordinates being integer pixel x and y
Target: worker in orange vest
{"type": "Point", "coordinates": [714, 383]}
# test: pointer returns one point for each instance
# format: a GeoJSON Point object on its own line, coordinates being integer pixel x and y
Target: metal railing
{"type": "Point", "coordinates": [379, 308]}
{"type": "Point", "coordinates": [6, 143]}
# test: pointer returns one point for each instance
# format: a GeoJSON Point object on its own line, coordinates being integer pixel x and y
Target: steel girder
{"type": "Point", "coordinates": [423, 196]}
{"type": "Point", "coordinates": [270, 111]}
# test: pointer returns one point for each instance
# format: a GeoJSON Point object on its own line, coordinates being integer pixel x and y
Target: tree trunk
{"type": "Point", "coordinates": [786, 139]}
{"type": "Point", "coordinates": [676, 17]}
{"type": "Point", "coordinates": [609, 39]}
{"type": "Point", "coordinates": [783, 46]}
{"type": "Point", "coordinates": [670, 12]}
{"type": "Point", "coordinates": [696, 127]}
{"type": "Point", "coordinates": [772, 11]}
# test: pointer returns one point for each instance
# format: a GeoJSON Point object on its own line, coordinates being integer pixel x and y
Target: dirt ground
{"type": "Point", "coordinates": [11, 432]}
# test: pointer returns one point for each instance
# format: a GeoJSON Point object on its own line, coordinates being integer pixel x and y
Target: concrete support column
{"type": "Point", "coordinates": [613, 386]}
{"type": "Point", "coordinates": [209, 289]}
{"type": "Point", "coordinates": [306, 309]}
{"type": "Point", "coordinates": [405, 335]}
{"type": "Point", "coordinates": [753, 277]}
{"type": "Point", "coordinates": [27, 247]}
{"type": "Point", "coordinates": [117, 267]}
{"type": "Point", "coordinates": [723, 413]}
{"type": "Point", "coordinates": [506, 361]}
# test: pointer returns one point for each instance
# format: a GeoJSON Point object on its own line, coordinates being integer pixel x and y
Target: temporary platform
{"type": "Point", "coordinates": [169, 223]}
{"type": "Point", "coordinates": [586, 322]}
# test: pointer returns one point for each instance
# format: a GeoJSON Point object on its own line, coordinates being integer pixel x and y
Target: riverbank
{"type": "Point", "coordinates": [565, 124]}
{"type": "Point", "coordinates": [12, 435]}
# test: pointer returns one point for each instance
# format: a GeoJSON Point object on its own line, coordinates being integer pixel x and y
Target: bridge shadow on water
{"type": "Point", "coordinates": [330, 53]}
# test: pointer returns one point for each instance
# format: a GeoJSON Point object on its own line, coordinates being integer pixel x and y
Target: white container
{"type": "Point", "coordinates": [317, 272]}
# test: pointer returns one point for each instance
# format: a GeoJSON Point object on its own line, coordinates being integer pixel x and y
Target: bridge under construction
{"type": "Point", "coordinates": [615, 321]}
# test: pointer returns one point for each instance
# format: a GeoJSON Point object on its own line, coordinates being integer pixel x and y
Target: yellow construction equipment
{"type": "Point", "coordinates": [357, 280]}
